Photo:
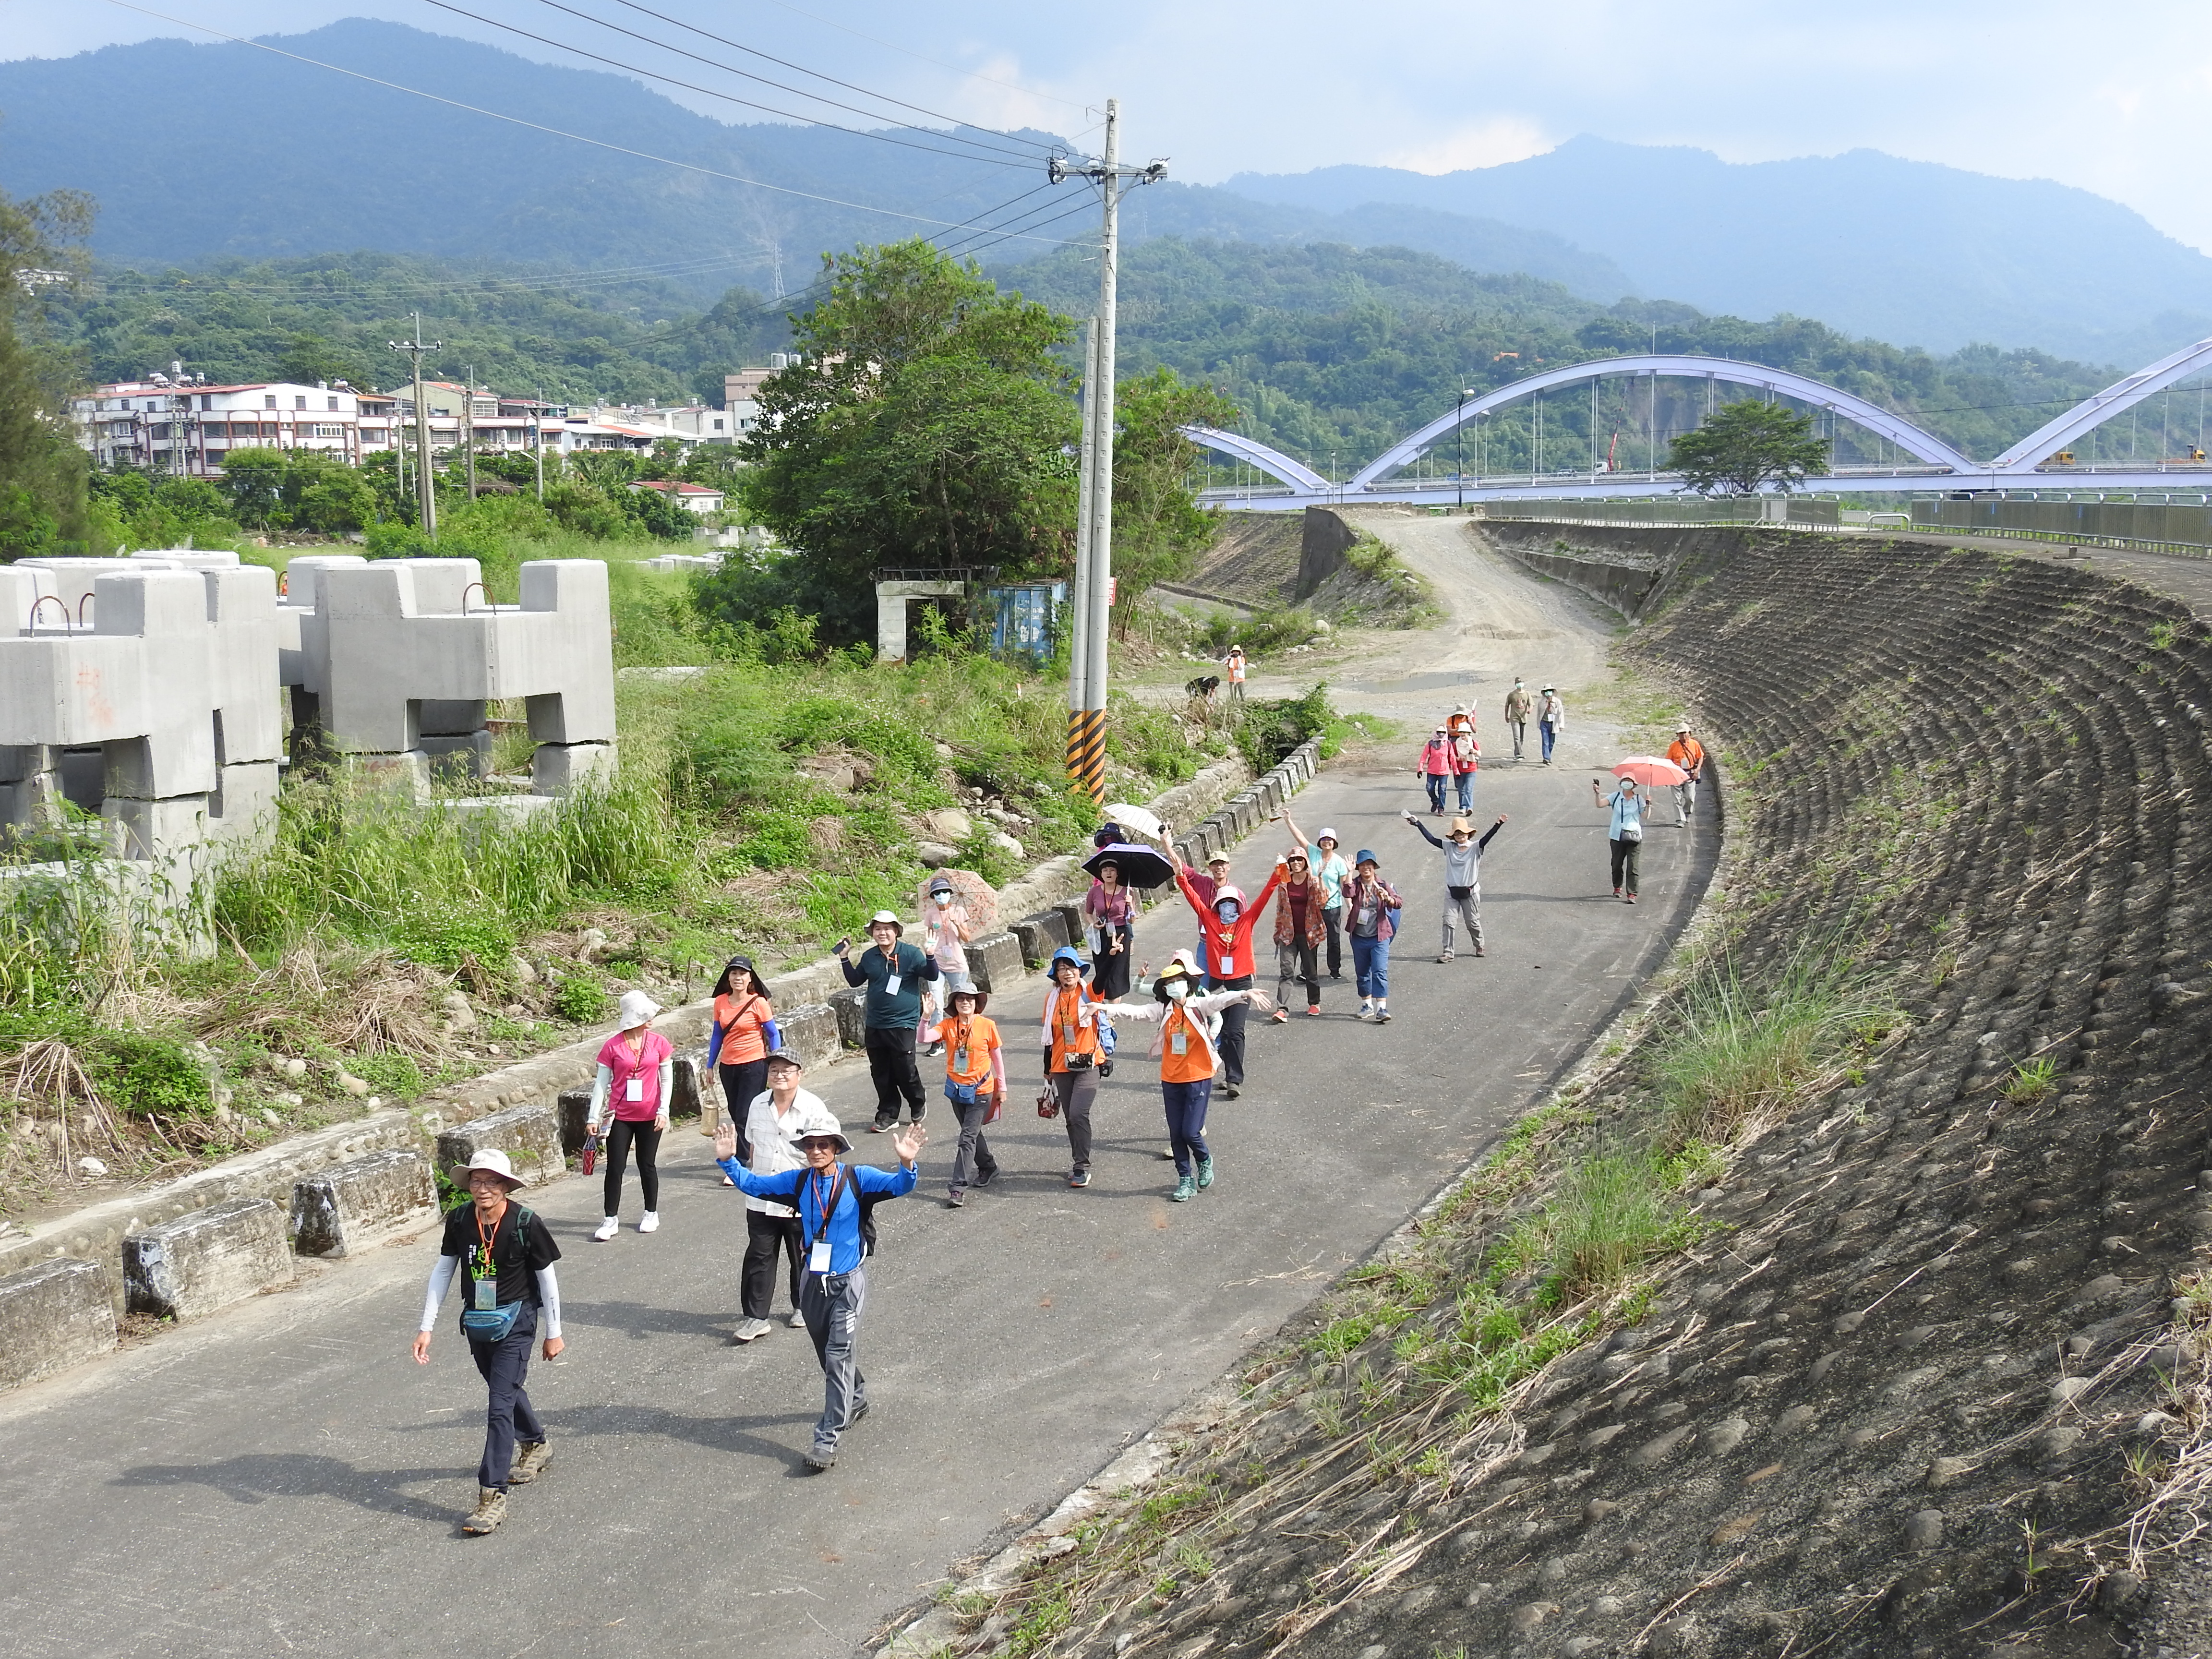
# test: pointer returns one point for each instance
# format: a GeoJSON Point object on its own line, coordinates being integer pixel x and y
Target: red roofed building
{"type": "Point", "coordinates": [692, 497]}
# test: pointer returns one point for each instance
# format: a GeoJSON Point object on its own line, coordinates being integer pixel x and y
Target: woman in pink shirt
{"type": "Point", "coordinates": [630, 1101]}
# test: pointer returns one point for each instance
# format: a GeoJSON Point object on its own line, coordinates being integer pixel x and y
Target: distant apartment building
{"type": "Point", "coordinates": [457, 416]}
{"type": "Point", "coordinates": [176, 426]}
{"type": "Point", "coordinates": [691, 497]}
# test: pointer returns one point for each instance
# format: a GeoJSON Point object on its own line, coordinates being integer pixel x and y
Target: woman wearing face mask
{"type": "Point", "coordinates": [1225, 931]}
{"type": "Point", "coordinates": [947, 932]}
{"type": "Point", "coordinates": [1073, 1047]}
{"type": "Point", "coordinates": [1108, 915]}
{"type": "Point", "coordinates": [1186, 1052]}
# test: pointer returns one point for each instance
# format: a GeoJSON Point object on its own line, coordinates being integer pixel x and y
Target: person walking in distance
{"type": "Point", "coordinates": [1624, 832]}
{"type": "Point", "coordinates": [1435, 769]}
{"type": "Point", "coordinates": [1184, 1047]}
{"type": "Point", "coordinates": [1072, 1050]}
{"type": "Point", "coordinates": [1233, 664]}
{"type": "Point", "coordinates": [835, 1287]}
{"type": "Point", "coordinates": [1329, 869]}
{"type": "Point", "coordinates": [1686, 752]}
{"type": "Point", "coordinates": [1299, 930]}
{"type": "Point", "coordinates": [1518, 704]}
{"type": "Point", "coordinates": [739, 1040]}
{"type": "Point", "coordinates": [975, 1084]}
{"type": "Point", "coordinates": [630, 1101]}
{"type": "Point", "coordinates": [1109, 914]}
{"type": "Point", "coordinates": [771, 1147]}
{"type": "Point", "coordinates": [894, 972]}
{"type": "Point", "coordinates": [512, 1295]}
{"type": "Point", "coordinates": [1370, 917]}
{"type": "Point", "coordinates": [1466, 761]}
{"type": "Point", "coordinates": [1225, 934]}
{"type": "Point", "coordinates": [1462, 878]}
{"type": "Point", "coordinates": [1551, 720]}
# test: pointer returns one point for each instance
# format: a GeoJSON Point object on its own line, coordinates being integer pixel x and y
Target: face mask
{"type": "Point", "coordinates": [943, 899]}
{"type": "Point", "coordinates": [1178, 990]}
{"type": "Point", "coordinates": [1227, 911]}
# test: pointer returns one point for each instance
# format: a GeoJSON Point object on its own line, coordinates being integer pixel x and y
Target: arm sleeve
{"type": "Point", "coordinates": [772, 1034]}
{"type": "Point", "coordinates": [783, 1186]}
{"type": "Point", "coordinates": [604, 1081]}
{"type": "Point", "coordinates": [441, 1280]}
{"type": "Point", "coordinates": [667, 1086]}
{"type": "Point", "coordinates": [929, 969]}
{"type": "Point", "coordinates": [1114, 1011]}
{"type": "Point", "coordinates": [713, 1044]}
{"type": "Point", "coordinates": [1425, 835]}
{"type": "Point", "coordinates": [854, 975]}
{"type": "Point", "coordinates": [548, 1302]}
{"type": "Point", "coordinates": [1485, 842]}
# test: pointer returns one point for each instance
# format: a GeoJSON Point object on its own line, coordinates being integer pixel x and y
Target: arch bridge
{"type": "Point", "coordinates": [1934, 464]}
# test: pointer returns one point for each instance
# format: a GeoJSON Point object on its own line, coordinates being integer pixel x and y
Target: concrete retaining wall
{"type": "Point", "coordinates": [189, 1268]}
{"type": "Point", "coordinates": [350, 1203]}
{"type": "Point", "coordinates": [529, 1135]}
{"type": "Point", "coordinates": [1040, 935]}
{"type": "Point", "coordinates": [995, 962]}
{"type": "Point", "coordinates": [51, 1316]}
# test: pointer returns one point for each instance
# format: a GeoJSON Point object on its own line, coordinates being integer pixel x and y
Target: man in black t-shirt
{"type": "Point", "coordinates": [509, 1256]}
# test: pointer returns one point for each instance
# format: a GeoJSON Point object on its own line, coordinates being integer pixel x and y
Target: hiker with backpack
{"type": "Point", "coordinates": [771, 1147]}
{"type": "Point", "coordinates": [975, 1083]}
{"type": "Point", "coordinates": [630, 1096]}
{"type": "Point", "coordinates": [1434, 768]}
{"type": "Point", "coordinates": [1224, 921]}
{"type": "Point", "coordinates": [1624, 832]}
{"type": "Point", "coordinates": [895, 973]}
{"type": "Point", "coordinates": [830, 1196]}
{"type": "Point", "coordinates": [1462, 876]}
{"type": "Point", "coordinates": [513, 1294]}
{"type": "Point", "coordinates": [1184, 1047]}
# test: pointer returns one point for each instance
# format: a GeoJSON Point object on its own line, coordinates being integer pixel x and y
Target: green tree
{"type": "Point", "coordinates": [1746, 445]}
{"type": "Point", "coordinates": [42, 471]}
{"type": "Point", "coordinates": [342, 501]}
{"type": "Point", "coordinates": [927, 423]}
{"type": "Point", "coordinates": [1159, 528]}
{"type": "Point", "coordinates": [254, 481]}
{"type": "Point", "coordinates": [310, 358]}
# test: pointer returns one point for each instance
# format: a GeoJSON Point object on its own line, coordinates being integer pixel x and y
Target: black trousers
{"type": "Point", "coordinates": [1624, 858]}
{"type": "Point", "coordinates": [1297, 961]}
{"type": "Point", "coordinates": [741, 1085]}
{"type": "Point", "coordinates": [764, 1235]}
{"type": "Point", "coordinates": [1231, 1040]}
{"type": "Point", "coordinates": [1334, 917]}
{"type": "Point", "coordinates": [890, 1063]}
{"type": "Point", "coordinates": [508, 1416]}
{"type": "Point", "coordinates": [620, 1138]}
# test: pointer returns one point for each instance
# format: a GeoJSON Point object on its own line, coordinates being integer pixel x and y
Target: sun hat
{"type": "Point", "coordinates": [941, 885]}
{"type": "Point", "coordinates": [636, 1009]}
{"type": "Point", "coordinates": [789, 1057]}
{"type": "Point", "coordinates": [487, 1158]}
{"type": "Point", "coordinates": [1549, 688]}
{"type": "Point", "coordinates": [1367, 856]}
{"type": "Point", "coordinates": [1684, 726]}
{"type": "Point", "coordinates": [1297, 856]}
{"type": "Point", "coordinates": [982, 998]}
{"type": "Point", "coordinates": [822, 1122]}
{"type": "Point", "coordinates": [1069, 954]}
{"type": "Point", "coordinates": [1213, 858]}
{"type": "Point", "coordinates": [886, 915]}
{"type": "Point", "coordinates": [1189, 961]}
{"type": "Point", "coordinates": [1462, 827]}
{"type": "Point", "coordinates": [1327, 834]}
{"type": "Point", "coordinates": [1226, 892]}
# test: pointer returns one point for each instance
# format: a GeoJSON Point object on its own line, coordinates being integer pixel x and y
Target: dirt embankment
{"type": "Point", "coordinates": [1922, 1373]}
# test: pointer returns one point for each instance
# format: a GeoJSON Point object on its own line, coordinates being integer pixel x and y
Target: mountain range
{"type": "Point", "coordinates": [196, 152]}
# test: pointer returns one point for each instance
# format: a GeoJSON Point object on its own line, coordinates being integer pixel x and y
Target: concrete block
{"type": "Point", "coordinates": [155, 829]}
{"type": "Point", "coordinates": [406, 774]}
{"type": "Point", "coordinates": [570, 1108]}
{"type": "Point", "coordinates": [241, 811]}
{"type": "Point", "coordinates": [529, 1135]}
{"type": "Point", "coordinates": [461, 755]}
{"type": "Point", "coordinates": [207, 1258]}
{"type": "Point", "coordinates": [995, 960]}
{"type": "Point", "coordinates": [811, 1032]}
{"type": "Point", "coordinates": [558, 769]}
{"type": "Point", "coordinates": [686, 1091]}
{"type": "Point", "coordinates": [349, 1204]}
{"type": "Point", "coordinates": [851, 1007]}
{"type": "Point", "coordinates": [52, 1316]}
{"type": "Point", "coordinates": [1071, 917]}
{"type": "Point", "coordinates": [1040, 935]}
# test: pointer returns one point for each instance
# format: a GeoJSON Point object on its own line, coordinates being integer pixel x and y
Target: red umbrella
{"type": "Point", "coordinates": [973, 891]}
{"type": "Point", "coordinates": [1650, 771]}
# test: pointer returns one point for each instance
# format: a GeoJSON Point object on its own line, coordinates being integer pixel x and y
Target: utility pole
{"type": "Point", "coordinates": [425, 492]}
{"type": "Point", "coordinates": [537, 442]}
{"type": "Point", "coordinates": [1093, 560]}
{"type": "Point", "coordinates": [468, 422]}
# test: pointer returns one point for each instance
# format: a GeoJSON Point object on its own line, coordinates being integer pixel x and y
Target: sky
{"type": "Point", "coordinates": [2115, 98]}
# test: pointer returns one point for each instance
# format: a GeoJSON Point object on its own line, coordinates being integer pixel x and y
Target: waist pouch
{"type": "Point", "coordinates": [1076, 1062]}
{"type": "Point", "coordinates": [962, 1094]}
{"type": "Point", "coordinates": [1459, 892]}
{"type": "Point", "coordinates": [491, 1324]}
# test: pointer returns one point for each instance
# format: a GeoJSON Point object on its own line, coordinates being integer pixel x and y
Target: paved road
{"type": "Point", "coordinates": [283, 1478]}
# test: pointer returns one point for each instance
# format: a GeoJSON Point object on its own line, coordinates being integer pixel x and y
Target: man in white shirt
{"type": "Point", "coordinates": [772, 1147]}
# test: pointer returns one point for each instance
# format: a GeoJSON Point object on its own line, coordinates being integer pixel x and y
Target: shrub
{"type": "Point", "coordinates": [145, 1074]}
{"type": "Point", "coordinates": [579, 998]}
{"type": "Point", "coordinates": [1272, 729]}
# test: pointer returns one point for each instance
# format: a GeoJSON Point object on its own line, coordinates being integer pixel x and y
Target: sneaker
{"type": "Point", "coordinates": [1381, 1016]}
{"type": "Point", "coordinates": [1186, 1189]}
{"type": "Point", "coordinates": [820, 1462]}
{"type": "Point", "coordinates": [1229, 1091]}
{"type": "Point", "coordinates": [1079, 1178]}
{"type": "Point", "coordinates": [1631, 898]}
{"type": "Point", "coordinates": [956, 1199]}
{"type": "Point", "coordinates": [531, 1459]}
{"type": "Point", "coordinates": [933, 1050]}
{"type": "Point", "coordinates": [1332, 974]}
{"type": "Point", "coordinates": [649, 1222]}
{"type": "Point", "coordinates": [1616, 892]}
{"type": "Point", "coordinates": [490, 1511]}
{"type": "Point", "coordinates": [1313, 1010]}
{"type": "Point", "coordinates": [1446, 957]}
{"type": "Point", "coordinates": [878, 1126]}
{"type": "Point", "coordinates": [919, 1115]}
{"type": "Point", "coordinates": [1279, 1017]}
{"type": "Point", "coordinates": [607, 1229]}
{"type": "Point", "coordinates": [1367, 1011]}
{"type": "Point", "coordinates": [795, 1320]}
{"type": "Point", "coordinates": [1205, 1173]}
{"type": "Point", "coordinates": [750, 1330]}
{"type": "Point", "coordinates": [1168, 1152]}
{"type": "Point", "coordinates": [985, 1177]}
{"type": "Point", "coordinates": [1480, 951]}
{"type": "Point", "coordinates": [726, 1181]}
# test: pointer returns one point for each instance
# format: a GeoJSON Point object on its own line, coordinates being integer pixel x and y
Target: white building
{"type": "Point", "coordinates": [174, 426]}
{"type": "Point", "coordinates": [458, 417]}
{"type": "Point", "coordinates": [691, 497]}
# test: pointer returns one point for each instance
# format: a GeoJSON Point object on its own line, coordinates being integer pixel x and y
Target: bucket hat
{"type": "Point", "coordinates": [488, 1158]}
{"type": "Point", "coordinates": [1327, 834]}
{"type": "Point", "coordinates": [982, 998]}
{"type": "Point", "coordinates": [1367, 856]}
{"type": "Point", "coordinates": [886, 915]}
{"type": "Point", "coordinates": [822, 1121]}
{"type": "Point", "coordinates": [1069, 955]}
{"type": "Point", "coordinates": [637, 1008]}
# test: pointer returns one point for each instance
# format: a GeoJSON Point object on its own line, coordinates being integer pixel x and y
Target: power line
{"type": "Point", "coordinates": [1029, 227]}
{"type": "Point", "coordinates": [709, 91]}
{"type": "Point", "coordinates": [817, 75]}
{"type": "Point", "coordinates": [539, 126]}
{"type": "Point", "coordinates": [980, 228]}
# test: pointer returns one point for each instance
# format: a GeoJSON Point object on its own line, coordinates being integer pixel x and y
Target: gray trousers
{"type": "Point", "coordinates": [1468, 910]}
{"type": "Point", "coordinates": [1685, 801]}
{"type": "Point", "coordinates": [974, 1158]}
{"type": "Point", "coordinates": [1075, 1091]}
{"type": "Point", "coordinates": [830, 1305]}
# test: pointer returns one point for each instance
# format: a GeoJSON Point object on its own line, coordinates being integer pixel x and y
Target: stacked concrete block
{"type": "Point", "coordinates": [51, 1316]}
{"type": "Point", "coordinates": [1072, 918]}
{"type": "Point", "coordinates": [1040, 935]}
{"type": "Point", "coordinates": [392, 663]}
{"type": "Point", "coordinates": [158, 709]}
{"type": "Point", "coordinates": [572, 1108]}
{"type": "Point", "coordinates": [851, 1007]}
{"type": "Point", "coordinates": [206, 1259]}
{"type": "Point", "coordinates": [529, 1135]}
{"type": "Point", "coordinates": [811, 1032]}
{"type": "Point", "coordinates": [995, 960]}
{"type": "Point", "coordinates": [350, 1203]}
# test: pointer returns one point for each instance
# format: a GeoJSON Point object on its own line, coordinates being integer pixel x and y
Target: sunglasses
{"type": "Point", "coordinates": [818, 1143]}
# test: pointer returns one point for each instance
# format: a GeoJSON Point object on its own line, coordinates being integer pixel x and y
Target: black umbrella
{"type": "Point", "coordinates": [1141, 866]}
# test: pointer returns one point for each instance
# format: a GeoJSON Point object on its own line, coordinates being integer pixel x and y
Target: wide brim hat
{"type": "Point", "coordinates": [886, 915]}
{"type": "Point", "coordinates": [637, 1009]}
{"type": "Point", "coordinates": [1463, 826]}
{"type": "Point", "coordinates": [1072, 958]}
{"type": "Point", "coordinates": [823, 1122]}
{"type": "Point", "coordinates": [982, 998]}
{"type": "Point", "coordinates": [1367, 856]}
{"type": "Point", "coordinates": [487, 1158]}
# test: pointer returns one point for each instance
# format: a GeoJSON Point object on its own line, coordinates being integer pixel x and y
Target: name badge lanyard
{"type": "Point", "coordinates": [818, 1251]}
{"type": "Point", "coordinates": [487, 1274]}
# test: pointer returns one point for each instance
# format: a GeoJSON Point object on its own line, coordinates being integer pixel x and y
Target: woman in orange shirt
{"type": "Point", "coordinates": [1072, 1049]}
{"type": "Point", "coordinates": [738, 1046]}
{"type": "Point", "coordinates": [1184, 1048]}
{"type": "Point", "coordinates": [975, 1084]}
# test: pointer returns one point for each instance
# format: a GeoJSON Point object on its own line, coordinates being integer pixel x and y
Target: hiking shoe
{"type": "Point", "coordinates": [490, 1511]}
{"type": "Point", "coordinates": [1186, 1189]}
{"type": "Point", "coordinates": [1313, 1010]}
{"type": "Point", "coordinates": [607, 1229]}
{"type": "Point", "coordinates": [1079, 1178]}
{"type": "Point", "coordinates": [1229, 1091]}
{"type": "Point", "coordinates": [1381, 1016]}
{"type": "Point", "coordinates": [1279, 1017]}
{"type": "Point", "coordinates": [1480, 951]}
{"type": "Point", "coordinates": [1205, 1173]}
{"type": "Point", "coordinates": [750, 1330]}
{"type": "Point", "coordinates": [820, 1462]}
{"type": "Point", "coordinates": [531, 1459]}
{"type": "Point", "coordinates": [649, 1222]}
{"type": "Point", "coordinates": [796, 1319]}
{"type": "Point", "coordinates": [957, 1199]}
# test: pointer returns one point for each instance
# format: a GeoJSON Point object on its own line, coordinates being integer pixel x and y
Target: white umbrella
{"type": "Point", "coordinates": [1138, 820]}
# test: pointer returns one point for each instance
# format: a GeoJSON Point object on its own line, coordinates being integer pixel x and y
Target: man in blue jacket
{"type": "Point", "coordinates": [894, 972]}
{"type": "Point", "coordinates": [827, 1194]}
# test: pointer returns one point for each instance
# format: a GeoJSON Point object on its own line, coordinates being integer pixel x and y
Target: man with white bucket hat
{"type": "Point", "coordinates": [829, 1196]}
{"type": "Point", "coordinates": [511, 1290]}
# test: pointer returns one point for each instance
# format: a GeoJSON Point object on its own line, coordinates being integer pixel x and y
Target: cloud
{"type": "Point", "coordinates": [1489, 144]}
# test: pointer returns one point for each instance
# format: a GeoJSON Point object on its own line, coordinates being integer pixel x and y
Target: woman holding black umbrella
{"type": "Point", "coordinates": [1109, 913]}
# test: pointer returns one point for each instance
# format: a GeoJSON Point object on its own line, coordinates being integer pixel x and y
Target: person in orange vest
{"type": "Point", "coordinates": [1072, 1053]}
{"type": "Point", "coordinates": [1686, 752]}
{"type": "Point", "coordinates": [1225, 936]}
{"type": "Point", "coordinates": [1185, 1050]}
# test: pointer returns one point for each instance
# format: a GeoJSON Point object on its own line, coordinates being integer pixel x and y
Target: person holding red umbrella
{"type": "Point", "coordinates": [1624, 831]}
{"type": "Point", "coordinates": [1224, 931]}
